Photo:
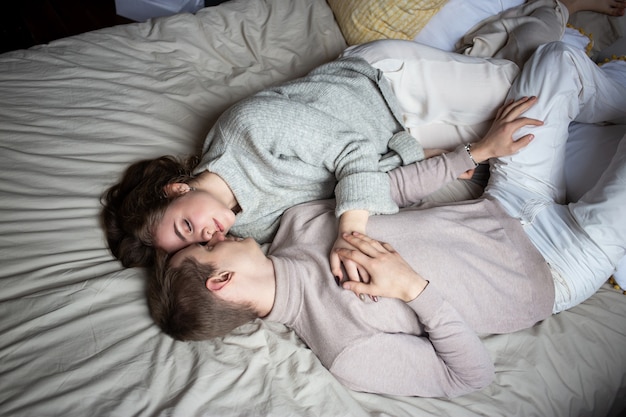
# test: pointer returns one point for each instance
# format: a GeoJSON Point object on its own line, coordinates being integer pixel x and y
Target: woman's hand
{"type": "Point", "coordinates": [350, 221]}
{"type": "Point", "coordinates": [388, 274]}
{"type": "Point", "coordinates": [499, 140]}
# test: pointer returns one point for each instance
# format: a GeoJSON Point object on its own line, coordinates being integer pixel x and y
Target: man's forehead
{"type": "Point", "coordinates": [178, 258]}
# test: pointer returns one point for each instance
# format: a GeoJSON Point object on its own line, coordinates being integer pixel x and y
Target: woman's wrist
{"type": "Point", "coordinates": [353, 221]}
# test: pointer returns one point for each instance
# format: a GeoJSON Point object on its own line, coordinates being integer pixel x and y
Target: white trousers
{"type": "Point", "coordinates": [582, 241]}
{"type": "Point", "coordinates": [589, 151]}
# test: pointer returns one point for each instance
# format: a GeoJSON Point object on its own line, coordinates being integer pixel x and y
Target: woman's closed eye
{"type": "Point", "coordinates": [182, 230]}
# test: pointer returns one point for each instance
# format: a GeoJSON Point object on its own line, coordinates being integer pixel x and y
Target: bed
{"type": "Point", "coordinates": [75, 335]}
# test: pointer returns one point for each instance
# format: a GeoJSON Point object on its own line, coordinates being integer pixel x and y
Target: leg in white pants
{"type": "Point", "coordinates": [531, 184]}
{"type": "Point", "coordinates": [590, 148]}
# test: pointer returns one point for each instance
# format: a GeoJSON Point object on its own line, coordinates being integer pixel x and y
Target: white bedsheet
{"type": "Point", "coordinates": [75, 335]}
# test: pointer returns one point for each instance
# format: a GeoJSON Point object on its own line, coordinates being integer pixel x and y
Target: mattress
{"type": "Point", "coordinates": [75, 335]}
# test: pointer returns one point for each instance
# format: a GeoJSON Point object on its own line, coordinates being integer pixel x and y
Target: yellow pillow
{"type": "Point", "coordinates": [367, 20]}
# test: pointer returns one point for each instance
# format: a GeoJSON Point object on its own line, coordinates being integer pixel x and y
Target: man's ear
{"type": "Point", "coordinates": [175, 189]}
{"type": "Point", "coordinates": [217, 282]}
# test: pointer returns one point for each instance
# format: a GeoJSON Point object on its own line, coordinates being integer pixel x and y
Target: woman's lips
{"type": "Point", "coordinates": [219, 226]}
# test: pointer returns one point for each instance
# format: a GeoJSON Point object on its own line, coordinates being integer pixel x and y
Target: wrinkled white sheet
{"type": "Point", "coordinates": [75, 335]}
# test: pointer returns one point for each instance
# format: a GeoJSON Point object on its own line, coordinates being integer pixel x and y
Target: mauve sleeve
{"type": "Point", "coordinates": [448, 361]}
{"type": "Point", "coordinates": [411, 183]}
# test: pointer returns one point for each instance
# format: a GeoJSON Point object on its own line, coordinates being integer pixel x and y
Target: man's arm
{"type": "Point", "coordinates": [411, 183]}
{"type": "Point", "coordinates": [449, 360]}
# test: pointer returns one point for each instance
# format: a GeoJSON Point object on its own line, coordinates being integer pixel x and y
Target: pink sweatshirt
{"type": "Point", "coordinates": [485, 277]}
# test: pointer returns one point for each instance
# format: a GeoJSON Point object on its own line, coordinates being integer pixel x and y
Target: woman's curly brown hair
{"type": "Point", "coordinates": [133, 206]}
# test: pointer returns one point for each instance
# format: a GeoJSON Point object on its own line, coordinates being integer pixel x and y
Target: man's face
{"type": "Point", "coordinates": [242, 256]}
{"type": "Point", "coordinates": [238, 259]}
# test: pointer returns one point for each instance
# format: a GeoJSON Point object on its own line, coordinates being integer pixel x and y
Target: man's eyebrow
{"type": "Point", "coordinates": [179, 234]}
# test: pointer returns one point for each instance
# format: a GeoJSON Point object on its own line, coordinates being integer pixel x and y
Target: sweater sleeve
{"type": "Point", "coordinates": [361, 183]}
{"type": "Point", "coordinates": [450, 361]}
{"type": "Point", "coordinates": [411, 183]}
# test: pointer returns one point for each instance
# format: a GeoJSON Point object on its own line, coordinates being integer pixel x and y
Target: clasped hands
{"type": "Point", "coordinates": [382, 271]}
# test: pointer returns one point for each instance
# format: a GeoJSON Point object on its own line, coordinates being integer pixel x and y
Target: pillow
{"type": "Point", "coordinates": [446, 99]}
{"type": "Point", "coordinates": [362, 21]}
{"type": "Point", "coordinates": [439, 33]}
{"type": "Point", "coordinates": [603, 30]}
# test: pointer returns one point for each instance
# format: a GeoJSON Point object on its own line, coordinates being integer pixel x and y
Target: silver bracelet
{"type": "Point", "coordinates": [468, 146]}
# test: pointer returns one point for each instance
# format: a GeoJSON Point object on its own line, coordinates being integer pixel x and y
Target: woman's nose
{"type": "Point", "coordinates": [206, 234]}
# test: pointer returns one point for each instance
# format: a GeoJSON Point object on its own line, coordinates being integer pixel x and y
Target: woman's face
{"type": "Point", "coordinates": [194, 217]}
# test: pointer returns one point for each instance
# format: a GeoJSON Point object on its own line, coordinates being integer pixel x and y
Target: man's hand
{"type": "Point", "coordinates": [499, 140]}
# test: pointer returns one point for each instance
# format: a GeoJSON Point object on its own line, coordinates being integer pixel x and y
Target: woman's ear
{"type": "Point", "coordinates": [176, 189]}
{"type": "Point", "coordinates": [217, 282]}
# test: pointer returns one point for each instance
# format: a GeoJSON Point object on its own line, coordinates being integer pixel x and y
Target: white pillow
{"type": "Point", "coordinates": [439, 33]}
{"type": "Point", "coordinates": [445, 98]}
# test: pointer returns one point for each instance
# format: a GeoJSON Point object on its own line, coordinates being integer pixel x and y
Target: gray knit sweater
{"type": "Point", "coordinates": [335, 132]}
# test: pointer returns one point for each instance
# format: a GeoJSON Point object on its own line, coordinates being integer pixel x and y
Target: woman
{"type": "Point", "coordinates": [335, 132]}
{"type": "Point", "coordinates": [339, 140]}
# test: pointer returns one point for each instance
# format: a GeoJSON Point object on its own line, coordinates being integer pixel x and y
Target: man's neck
{"type": "Point", "coordinates": [267, 294]}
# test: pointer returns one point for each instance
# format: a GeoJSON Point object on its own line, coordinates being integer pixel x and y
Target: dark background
{"type": "Point", "coordinates": [25, 23]}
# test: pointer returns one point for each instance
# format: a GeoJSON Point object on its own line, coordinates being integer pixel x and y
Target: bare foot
{"type": "Point", "coordinates": [608, 7]}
